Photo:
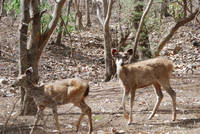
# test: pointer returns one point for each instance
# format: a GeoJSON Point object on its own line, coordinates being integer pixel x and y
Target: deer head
{"type": "Point", "coordinates": [22, 79]}
{"type": "Point", "coordinates": [121, 58]}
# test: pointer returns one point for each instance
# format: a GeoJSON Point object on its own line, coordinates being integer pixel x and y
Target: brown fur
{"type": "Point", "coordinates": [58, 93]}
{"type": "Point", "coordinates": [155, 72]}
{"type": "Point", "coordinates": [146, 72]}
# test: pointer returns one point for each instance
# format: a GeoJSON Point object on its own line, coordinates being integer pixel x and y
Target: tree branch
{"type": "Point", "coordinates": [56, 14]}
{"type": "Point", "coordinates": [139, 30]}
{"type": "Point", "coordinates": [101, 20]}
{"type": "Point", "coordinates": [173, 30]}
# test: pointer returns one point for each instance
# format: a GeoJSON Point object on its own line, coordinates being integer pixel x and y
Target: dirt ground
{"type": "Point", "coordinates": [104, 98]}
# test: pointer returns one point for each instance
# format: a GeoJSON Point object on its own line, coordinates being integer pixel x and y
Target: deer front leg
{"type": "Point", "coordinates": [124, 99]}
{"type": "Point", "coordinates": [55, 114]}
{"type": "Point", "coordinates": [131, 105]}
{"type": "Point", "coordinates": [37, 118]}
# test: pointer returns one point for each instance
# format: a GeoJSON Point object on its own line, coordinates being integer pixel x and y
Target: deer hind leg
{"type": "Point", "coordinates": [37, 118]}
{"type": "Point", "coordinates": [131, 105]}
{"type": "Point", "coordinates": [172, 94]}
{"type": "Point", "coordinates": [158, 101]}
{"type": "Point", "coordinates": [55, 114]}
{"type": "Point", "coordinates": [124, 99]}
{"type": "Point", "coordinates": [85, 110]}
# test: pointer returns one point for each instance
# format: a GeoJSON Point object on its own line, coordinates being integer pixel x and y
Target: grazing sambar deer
{"type": "Point", "coordinates": [156, 72]}
{"type": "Point", "coordinates": [57, 93]}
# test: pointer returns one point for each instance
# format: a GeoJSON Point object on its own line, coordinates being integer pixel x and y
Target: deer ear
{"type": "Point", "coordinates": [29, 71]}
{"type": "Point", "coordinates": [114, 51]}
{"type": "Point", "coordinates": [130, 51]}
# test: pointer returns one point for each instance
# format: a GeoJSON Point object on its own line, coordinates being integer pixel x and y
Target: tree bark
{"type": "Point", "coordinates": [107, 41]}
{"type": "Point", "coordinates": [30, 52]}
{"type": "Point", "coordinates": [107, 37]}
{"type": "Point", "coordinates": [172, 30]}
{"type": "Point", "coordinates": [28, 105]}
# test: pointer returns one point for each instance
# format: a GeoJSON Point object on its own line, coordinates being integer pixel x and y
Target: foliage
{"type": "Point", "coordinates": [70, 19]}
{"type": "Point", "coordinates": [176, 10]}
{"type": "Point", "coordinates": [12, 5]}
{"type": "Point", "coordinates": [46, 18]}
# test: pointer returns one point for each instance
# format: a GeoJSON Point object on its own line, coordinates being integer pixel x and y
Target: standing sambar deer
{"type": "Point", "coordinates": [57, 93]}
{"type": "Point", "coordinates": [156, 72]}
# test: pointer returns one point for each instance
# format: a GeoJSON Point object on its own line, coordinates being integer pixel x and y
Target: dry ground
{"type": "Point", "coordinates": [104, 98]}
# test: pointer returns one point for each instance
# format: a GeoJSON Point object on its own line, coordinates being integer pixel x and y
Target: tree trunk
{"type": "Point", "coordinates": [88, 23]}
{"type": "Point", "coordinates": [2, 10]}
{"type": "Point", "coordinates": [107, 40]}
{"type": "Point", "coordinates": [60, 32]}
{"type": "Point", "coordinates": [185, 8]}
{"type": "Point", "coordinates": [78, 15]}
{"type": "Point", "coordinates": [164, 9]}
{"type": "Point", "coordinates": [137, 15]}
{"type": "Point", "coordinates": [191, 5]}
{"type": "Point", "coordinates": [107, 54]}
{"type": "Point", "coordinates": [132, 58]}
{"type": "Point", "coordinates": [30, 52]}
{"type": "Point", "coordinates": [28, 105]}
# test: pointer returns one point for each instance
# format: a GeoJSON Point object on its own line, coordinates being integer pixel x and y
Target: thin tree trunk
{"type": "Point", "coordinates": [107, 54]}
{"type": "Point", "coordinates": [164, 9]}
{"type": "Point", "coordinates": [107, 41]}
{"type": "Point", "coordinates": [172, 30]}
{"type": "Point", "coordinates": [185, 8]}
{"type": "Point", "coordinates": [88, 23]}
{"type": "Point", "coordinates": [2, 8]}
{"type": "Point", "coordinates": [139, 30]}
{"type": "Point", "coordinates": [78, 15]}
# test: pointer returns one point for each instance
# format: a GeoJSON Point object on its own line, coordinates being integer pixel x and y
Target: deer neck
{"type": "Point", "coordinates": [119, 66]}
{"type": "Point", "coordinates": [34, 89]}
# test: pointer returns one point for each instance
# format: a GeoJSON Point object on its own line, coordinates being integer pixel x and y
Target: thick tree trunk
{"type": "Point", "coordinates": [28, 105]}
{"type": "Point", "coordinates": [30, 52]}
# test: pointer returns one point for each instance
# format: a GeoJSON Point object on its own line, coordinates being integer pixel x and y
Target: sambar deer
{"type": "Point", "coordinates": [156, 72]}
{"type": "Point", "coordinates": [57, 93]}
